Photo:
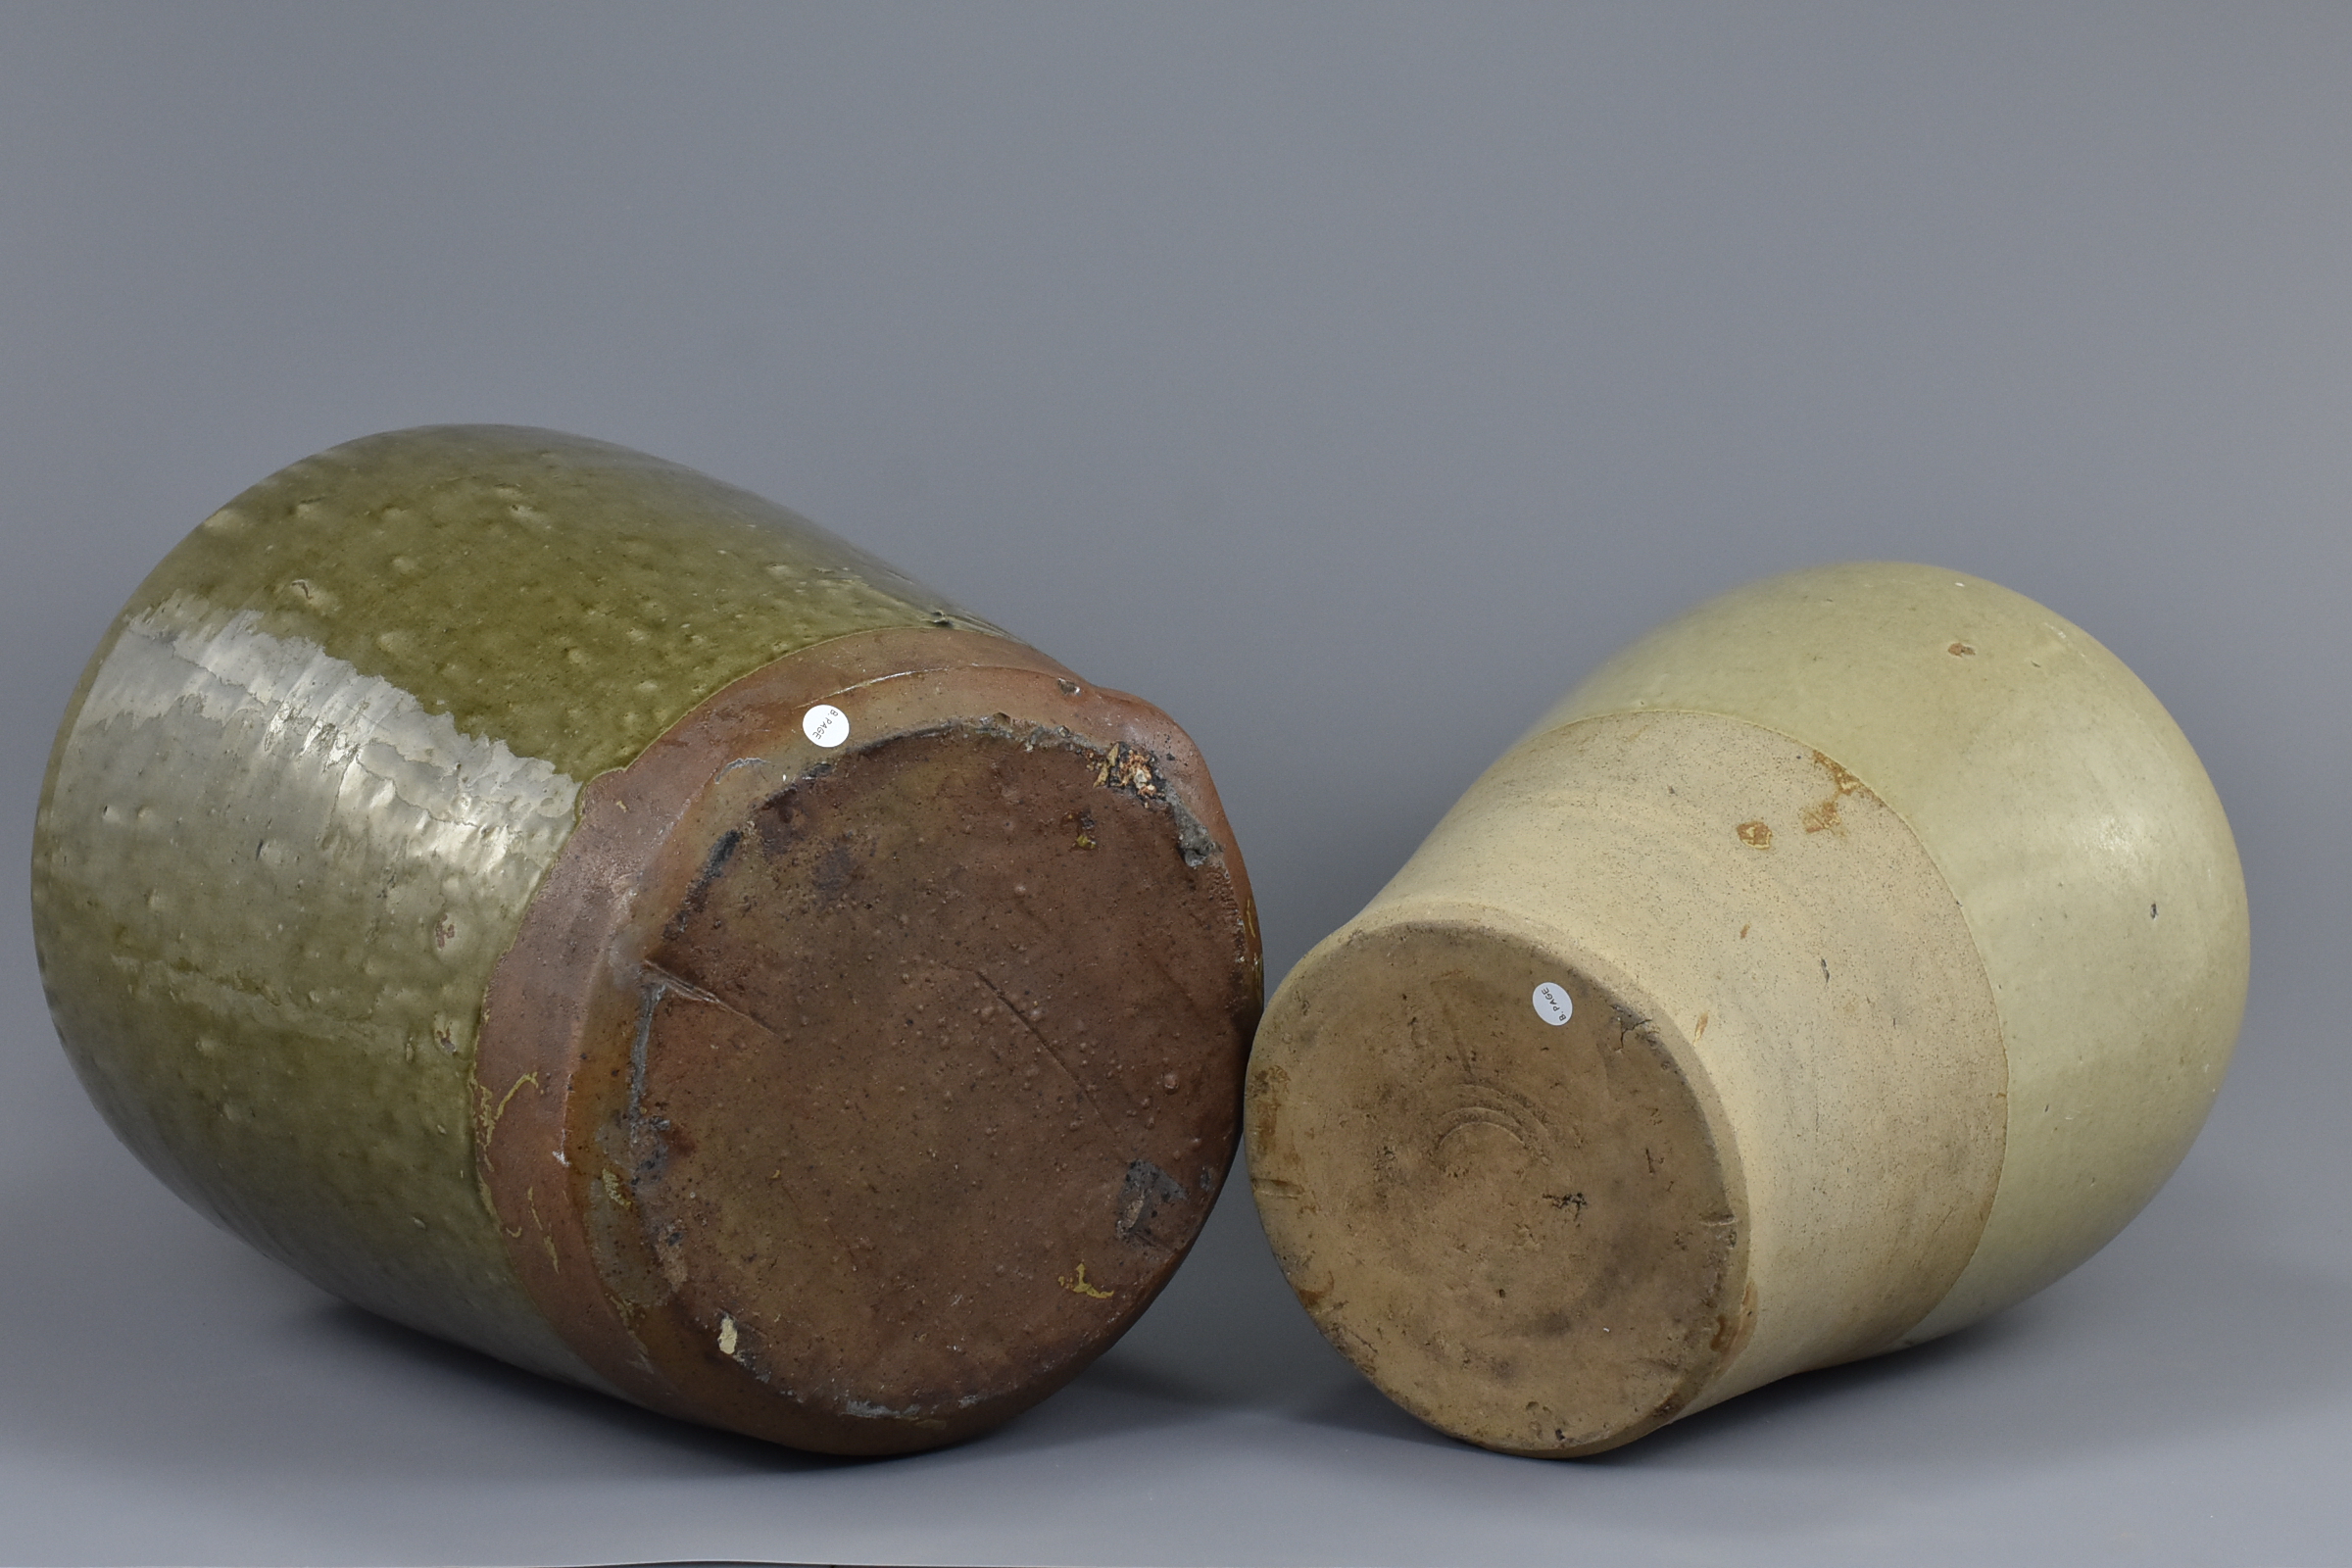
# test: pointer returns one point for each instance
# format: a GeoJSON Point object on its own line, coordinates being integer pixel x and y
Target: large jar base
{"type": "Point", "coordinates": [873, 1054]}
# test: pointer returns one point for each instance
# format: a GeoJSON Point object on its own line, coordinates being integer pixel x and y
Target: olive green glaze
{"type": "Point", "coordinates": [355, 710]}
{"type": "Point", "coordinates": [569, 598]}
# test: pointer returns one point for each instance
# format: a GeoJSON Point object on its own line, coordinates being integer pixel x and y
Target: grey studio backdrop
{"type": "Point", "coordinates": [1348, 380]}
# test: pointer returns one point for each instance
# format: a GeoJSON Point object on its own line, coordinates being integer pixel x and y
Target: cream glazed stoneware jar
{"type": "Point", "coordinates": [1841, 962]}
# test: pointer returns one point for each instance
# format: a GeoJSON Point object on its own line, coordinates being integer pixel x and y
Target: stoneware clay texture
{"type": "Point", "coordinates": [1841, 962]}
{"type": "Point", "coordinates": [579, 909]}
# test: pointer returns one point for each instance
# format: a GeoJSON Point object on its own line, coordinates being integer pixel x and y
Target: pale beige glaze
{"type": "Point", "coordinates": [1925, 930]}
{"type": "Point", "coordinates": [2068, 816]}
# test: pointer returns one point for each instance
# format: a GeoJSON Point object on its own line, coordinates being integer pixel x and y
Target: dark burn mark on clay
{"type": "Point", "coordinates": [774, 821]}
{"type": "Point", "coordinates": [837, 868]}
{"type": "Point", "coordinates": [647, 1152]}
{"type": "Point", "coordinates": [1146, 1191]}
{"type": "Point", "coordinates": [700, 892]}
{"type": "Point", "coordinates": [721, 853]}
{"type": "Point", "coordinates": [781, 822]}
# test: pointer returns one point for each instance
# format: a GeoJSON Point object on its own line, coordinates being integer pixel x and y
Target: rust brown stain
{"type": "Point", "coordinates": [1755, 835]}
{"type": "Point", "coordinates": [1847, 783]}
{"type": "Point", "coordinates": [1960, 651]}
{"type": "Point", "coordinates": [1823, 819]}
{"type": "Point", "coordinates": [1732, 1331]}
{"type": "Point", "coordinates": [1701, 1031]}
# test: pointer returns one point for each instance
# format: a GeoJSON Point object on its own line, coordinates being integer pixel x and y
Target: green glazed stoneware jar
{"type": "Point", "coordinates": [579, 909]}
{"type": "Point", "coordinates": [1841, 963]}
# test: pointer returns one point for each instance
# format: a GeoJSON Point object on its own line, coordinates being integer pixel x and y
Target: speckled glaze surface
{"type": "Point", "coordinates": [1927, 928]}
{"type": "Point", "coordinates": [314, 774]}
{"type": "Point", "coordinates": [320, 767]}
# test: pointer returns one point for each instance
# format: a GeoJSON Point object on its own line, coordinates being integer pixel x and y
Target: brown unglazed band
{"type": "Point", "coordinates": [874, 1051]}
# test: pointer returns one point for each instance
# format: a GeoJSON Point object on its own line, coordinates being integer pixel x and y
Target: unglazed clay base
{"type": "Point", "coordinates": [1686, 1051]}
{"type": "Point", "coordinates": [1461, 1239]}
{"type": "Point", "coordinates": [857, 1091]}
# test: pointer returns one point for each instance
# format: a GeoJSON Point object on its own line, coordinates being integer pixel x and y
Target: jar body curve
{"type": "Point", "coordinates": [318, 775]}
{"type": "Point", "coordinates": [1871, 866]}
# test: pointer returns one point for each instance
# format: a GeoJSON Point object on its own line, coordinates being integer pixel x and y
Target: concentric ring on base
{"type": "Point", "coordinates": [1522, 1230]}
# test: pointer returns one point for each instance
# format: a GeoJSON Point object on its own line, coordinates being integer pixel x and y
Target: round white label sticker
{"type": "Point", "coordinates": [826, 725]}
{"type": "Point", "coordinates": [1552, 1004]}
